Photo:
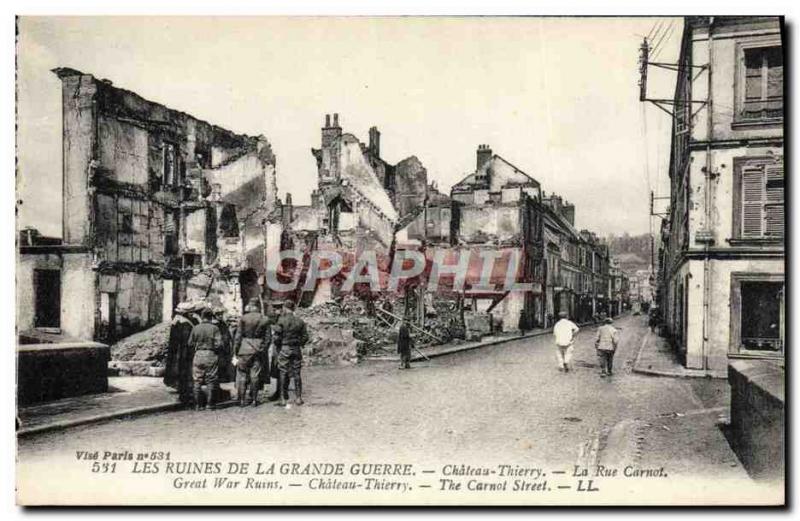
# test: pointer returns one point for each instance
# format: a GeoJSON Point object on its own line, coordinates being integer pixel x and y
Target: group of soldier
{"type": "Point", "coordinates": [203, 352]}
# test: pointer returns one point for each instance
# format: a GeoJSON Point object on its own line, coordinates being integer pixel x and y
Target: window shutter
{"type": "Point", "coordinates": [774, 206]}
{"type": "Point", "coordinates": [753, 90]}
{"type": "Point", "coordinates": [774, 94]}
{"type": "Point", "coordinates": [752, 200]}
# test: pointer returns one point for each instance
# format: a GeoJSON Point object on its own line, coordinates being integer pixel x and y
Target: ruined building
{"type": "Point", "coordinates": [158, 206]}
{"type": "Point", "coordinates": [360, 203]}
{"type": "Point", "coordinates": [497, 207]}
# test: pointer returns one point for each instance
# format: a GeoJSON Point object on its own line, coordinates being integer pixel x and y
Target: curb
{"type": "Point", "coordinates": [458, 349]}
{"type": "Point", "coordinates": [98, 418]}
{"type": "Point", "coordinates": [470, 347]}
{"type": "Point", "coordinates": [102, 418]}
{"type": "Point", "coordinates": [686, 373]}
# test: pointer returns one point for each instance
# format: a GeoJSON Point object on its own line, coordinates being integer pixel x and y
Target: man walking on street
{"type": "Point", "coordinates": [564, 335]}
{"type": "Point", "coordinates": [404, 344]}
{"type": "Point", "coordinates": [206, 341]}
{"type": "Point", "coordinates": [291, 335]}
{"type": "Point", "coordinates": [253, 337]}
{"type": "Point", "coordinates": [606, 343]}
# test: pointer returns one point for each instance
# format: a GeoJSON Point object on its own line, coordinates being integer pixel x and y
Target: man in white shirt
{"type": "Point", "coordinates": [564, 334]}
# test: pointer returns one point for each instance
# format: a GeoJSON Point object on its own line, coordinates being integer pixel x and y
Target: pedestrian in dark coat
{"type": "Point", "coordinates": [253, 337]}
{"type": "Point", "coordinates": [206, 341]}
{"type": "Point", "coordinates": [404, 344]}
{"type": "Point", "coordinates": [227, 373]}
{"type": "Point", "coordinates": [178, 366]}
{"type": "Point", "coordinates": [291, 334]}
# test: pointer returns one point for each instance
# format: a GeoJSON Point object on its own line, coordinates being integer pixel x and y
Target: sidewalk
{"type": "Point", "coordinates": [693, 442]}
{"type": "Point", "coordinates": [451, 348]}
{"type": "Point", "coordinates": [656, 357]}
{"type": "Point", "coordinates": [448, 349]}
{"type": "Point", "coordinates": [127, 396]}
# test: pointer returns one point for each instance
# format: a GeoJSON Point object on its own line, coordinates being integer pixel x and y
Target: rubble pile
{"type": "Point", "coordinates": [149, 345]}
{"type": "Point", "coordinates": [344, 331]}
{"type": "Point", "coordinates": [337, 330]}
{"type": "Point", "coordinates": [444, 322]}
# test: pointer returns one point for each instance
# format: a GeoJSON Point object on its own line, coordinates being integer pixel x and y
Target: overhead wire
{"type": "Point", "coordinates": [666, 41]}
{"type": "Point", "coordinates": [661, 38]}
{"type": "Point", "coordinates": [657, 31]}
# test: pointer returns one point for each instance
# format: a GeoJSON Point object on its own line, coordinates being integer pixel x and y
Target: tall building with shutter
{"type": "Point", "coordinates": [722, 258]}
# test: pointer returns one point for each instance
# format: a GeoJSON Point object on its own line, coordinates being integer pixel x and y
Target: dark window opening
{"type": "Point", "coordinates": [228, 223]}
{"type": "Point", "coordinates": [169, 164]}
{"type": "Point", "coordinates": [171, 233]}
{"type": "Point", "coordinates": [762, 315]}
{"type": "Point", "coordinates": [127, 223]}
{"type": "Point", "coordinates": [192, 260]}
{"type": "Point", "coordinates": [47, 307]}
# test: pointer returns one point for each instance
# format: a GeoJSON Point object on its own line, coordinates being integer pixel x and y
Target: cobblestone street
{"type": "Point", "coordinates": [507, 401]}
{"type": "Point", "coordinates": [506, 404]}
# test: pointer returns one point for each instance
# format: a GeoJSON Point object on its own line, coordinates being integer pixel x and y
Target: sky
{"type": "Point", "coordinates": [557, 97]}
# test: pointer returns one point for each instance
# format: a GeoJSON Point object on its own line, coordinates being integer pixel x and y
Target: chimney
{"type": "Point", "coordinates": [289, 209]}
{"type": "Point", "coordinates": [484, 154]}
{"type": "Point", "coordinates": [568, 211]}
{"type": "Point", "coordinates": [555, 203]}
{"type": "Point", "coordinates": [329, 133]}
{"type": "Point", "coordinates": [375, 141]}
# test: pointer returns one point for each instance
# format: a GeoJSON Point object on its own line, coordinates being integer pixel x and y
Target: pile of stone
{"type": "Point", "coordinates": [141, 354]}
{"type": "Point", "coordinates": [332, 327]}
{"type": "Point", "coordinates": [344, 332]}
{"type": "Point", "coordinates": [149, 345]}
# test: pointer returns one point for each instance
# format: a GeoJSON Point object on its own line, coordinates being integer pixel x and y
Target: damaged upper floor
{"type": "Point", "coordinates": [145, 183]}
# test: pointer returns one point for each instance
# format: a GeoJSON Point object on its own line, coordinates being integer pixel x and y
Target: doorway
{"type": "Point", "coordinates": [47, 305]}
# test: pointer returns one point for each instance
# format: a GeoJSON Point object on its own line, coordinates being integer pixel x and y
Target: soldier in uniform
{"type": "Point", "coordinates": [404, 344]}
{"type": "Point", "coordinates": [291, 335]}
{"type": "Point", "coordinates": [226, 373]}
{"type": "Point", "coordinates": [206, 341]}
{"type": "Point", "coordinates": [272, 357]}
{"type": "Point", "coordinates": [253, 337]}
{"type": "Point", "coordinates": [178, 366]}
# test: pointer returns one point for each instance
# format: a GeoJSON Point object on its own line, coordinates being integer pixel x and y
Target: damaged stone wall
{"type": "Point", "coordinates": [494, 174]}
{"type": "Point", "coordinates": [499, 204]}
{"type": "Point", "coordinates": [128, 229]}
{"type": "Point", "coordinates": [145, 184]}
{"type": "Point", "coordinates": [410, 185]}
{"type": "Point", "coordinates": [79, 129]}
{"type": "Point", "coordinates": [491, 223]}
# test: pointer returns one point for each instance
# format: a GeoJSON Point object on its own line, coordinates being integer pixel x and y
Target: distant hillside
{"type": "Point", "coordinates": [632, 251]}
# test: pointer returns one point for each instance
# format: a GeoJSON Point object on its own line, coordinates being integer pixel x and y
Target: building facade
{"type": "Point", "coordinates": [158, 206]}
{"type": "Point", "coordinates": [497, 209]}
{"type": "Point", "coordinates": [722, 254]}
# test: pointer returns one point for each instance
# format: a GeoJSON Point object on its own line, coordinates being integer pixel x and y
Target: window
{"type": "Point", "coordinates": [169, 164]}
{"type": "Point", "coordinates": [760, 196]}
{"type": "Point", "coordinates": [192, 260]}
{"type": "Point", "coordinates": [761, 78]}
{"type": "Point", "coordinates": [757, 314]}
{"type": "Point", "coordinates": [170, 233]}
